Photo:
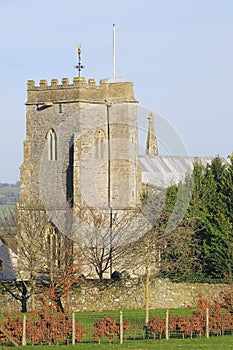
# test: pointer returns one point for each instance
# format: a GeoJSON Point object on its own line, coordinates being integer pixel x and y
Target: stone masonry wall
{"type": "Point", "coordinates": [93, 295]}
{"type": "Point", "coordinates": [130, 294]}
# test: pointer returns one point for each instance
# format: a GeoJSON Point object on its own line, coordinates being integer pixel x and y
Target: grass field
{"type": "Point", "coordinates": [9, 195]}
{"type": "Point", "coordinates": [135, 317]}
{"type": "Point", "coordinates": [213, 343]}
{"type": "Point", "coordinates": [10, 190]}
{"type": "Point", "coordinates": [6, 207]}
{"type": "Point", "coordinates": [130, 314]}
{"type": "Point", "coordinates": [136, 333]}
{"type": "Point", "coordinates": [138, 313]}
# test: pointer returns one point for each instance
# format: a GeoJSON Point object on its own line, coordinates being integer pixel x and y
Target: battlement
{"type": "Point", "coordinates": [112, 90]}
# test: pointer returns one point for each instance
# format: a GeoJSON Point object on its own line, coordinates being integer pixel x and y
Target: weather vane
{"type": "Point", "coordinates": [79, 66]}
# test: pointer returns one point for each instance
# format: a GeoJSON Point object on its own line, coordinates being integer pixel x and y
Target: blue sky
{"type": "Point", "coordinates": [179, 54]}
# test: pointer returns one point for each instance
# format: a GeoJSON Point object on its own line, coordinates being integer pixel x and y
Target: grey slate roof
{"type": "Point", "coordinates": [8, 262]}
{"type": "Point", "coordinates": [164, 171]}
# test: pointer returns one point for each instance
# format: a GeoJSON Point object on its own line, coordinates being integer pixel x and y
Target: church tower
{"type": "Point", "coordinates": [81, 145]}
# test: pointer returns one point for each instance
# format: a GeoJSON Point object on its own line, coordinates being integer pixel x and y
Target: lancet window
{"type": "Point", "coordinates": [99, 143]}
{"type": "Point", "coordinates": [52, 145]}
{"type": "Point", "coordinates": [53, 245]}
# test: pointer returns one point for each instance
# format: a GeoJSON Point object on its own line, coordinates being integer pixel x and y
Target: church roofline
{"type": "Point", "coordinates": [164, 171]}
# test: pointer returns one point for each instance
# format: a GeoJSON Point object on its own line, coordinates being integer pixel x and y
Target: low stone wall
{"type": "Point", "coordinates": [8, 303]}
{"type": "Point", "coordinates": [127, 294]}
{"type": "Point", "coordinates": [93, 295]}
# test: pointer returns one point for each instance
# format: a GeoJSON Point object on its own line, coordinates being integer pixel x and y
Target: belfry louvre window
{"type": "Point", "coordinates": [99, 143]}
{"type": "Point", "coordinates": [53, 246]}
{"type": "Point", "coordinates": [52, 144]}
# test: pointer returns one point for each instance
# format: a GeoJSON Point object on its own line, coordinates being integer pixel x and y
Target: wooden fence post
{"type": "Point", "coordinates": [207, 332]}
{"type": "Point", "coordinates": [167, 324]}
{"type": "Point", "coordinates": [24, 341]}
{"type": "Point", "coordinates": [9, 337]}
{"type": "Point", "coordinates": [147, 294]}
{"type": "Point", "coordinates": [121, 327]}
{"type": "Point", "coordinates": [73, 328]}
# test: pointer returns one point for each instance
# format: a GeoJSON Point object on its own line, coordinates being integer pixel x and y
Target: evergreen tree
{"type": "Point", "coordinates": [211, 205]}
{"type": "Point", "coordinates": [206, 230]}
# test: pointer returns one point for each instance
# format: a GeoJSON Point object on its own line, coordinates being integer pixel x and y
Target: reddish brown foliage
{"type": "Point", "coordinates": [43, 328]}
{"type": "Point", "coordinates": [227, 300]}
{"type": "Point", "coordinates": [156, 325]}
{"type": "Point", "coordinates": [219, 320]}
{"type": "Point", "coordinates": [108, 328]}
{"type": "Point", "coordinates": [53, 328]}
{"type": "Point", "coordinates": [13, 327]}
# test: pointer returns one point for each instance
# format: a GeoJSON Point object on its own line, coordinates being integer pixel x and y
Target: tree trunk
{"type": "Point", "coordinates": [33, 306]}
{"type": "Point", "coordinates": [24, 298]}
{"type": "Point", "coordinates": [69, 303]}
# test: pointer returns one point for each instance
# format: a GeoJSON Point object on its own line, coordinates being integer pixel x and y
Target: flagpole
{"type": "Point", "coordinates": [114, 51]}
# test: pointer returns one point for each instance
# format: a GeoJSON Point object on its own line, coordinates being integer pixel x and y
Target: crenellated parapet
{"type": "Point", "coordinates": [112, 90]}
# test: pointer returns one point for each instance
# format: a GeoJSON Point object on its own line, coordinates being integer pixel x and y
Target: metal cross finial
{"type": "Point", "coordinates": [79, 66]}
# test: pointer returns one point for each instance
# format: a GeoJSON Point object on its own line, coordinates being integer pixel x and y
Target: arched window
{"type": "Point", "coordinates": [53, 245]}
{"type": "Point", "coordinates": [52, 144]}
{"type": "Point", "coordinates": [99, 143]}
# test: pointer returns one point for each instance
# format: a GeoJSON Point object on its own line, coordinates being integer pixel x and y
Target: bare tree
{"type": "Point", "coordinates": [170, 246]}
{"type": "Point", "coordinates": [107, 236]}
{"type": "Point", "coordinates": [45, 264]}
{"type": "Point", "coordinates": [32, 225]}
{"type": "Point", "coordinates": [25, 228]}
{"type": "Point", "coordinates": [63, 272]}
{"type": "Point", "coordinates": [104, 236]}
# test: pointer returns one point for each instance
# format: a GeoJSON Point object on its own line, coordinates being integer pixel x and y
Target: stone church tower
{"type": "Point", "coordinates": [81, 147]}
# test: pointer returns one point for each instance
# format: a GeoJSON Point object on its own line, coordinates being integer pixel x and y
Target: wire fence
{"type": "Point", "coordinates": [113, 327]}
